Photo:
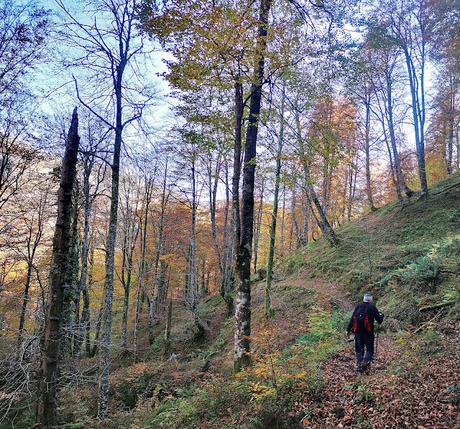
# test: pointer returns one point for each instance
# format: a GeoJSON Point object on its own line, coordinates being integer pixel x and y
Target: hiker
{"type": "Point", "coordinates": [362, 325]}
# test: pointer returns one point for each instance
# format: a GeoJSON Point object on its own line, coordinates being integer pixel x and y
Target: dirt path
{"type": "Point", "coordinates": [404, 388]}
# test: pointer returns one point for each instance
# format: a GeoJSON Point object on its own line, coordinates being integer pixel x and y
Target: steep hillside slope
{"type": "Point", "coordinates": [408, 255]}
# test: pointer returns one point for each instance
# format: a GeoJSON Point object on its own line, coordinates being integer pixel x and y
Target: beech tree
{"type": "Point", "coordinates": [408, 25]}
{"type": "Point", "coordinates": [278, 155]}
{"type": "Point", "coordinates": [243, 256]}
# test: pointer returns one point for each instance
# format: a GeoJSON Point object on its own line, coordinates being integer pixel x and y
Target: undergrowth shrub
{"type": "Point", "coordinates": [431, 343]}
{"type": "Point", "coordinates": [363, 394]}
{"type": "Point", "coordinates": [400, 309]}
{"type": "Point", "coordinates": [291, 263]}
{"type": "Point", "coordinates": [133, 383]}
{"type": "Point", "coordinates": [418, 283]}
{"type": "Point", "coordinates": [419, 275]}
{"type": "Point", "coordinates": [357, 282]}
{"type": "Point", "coordinates": [454, 218]}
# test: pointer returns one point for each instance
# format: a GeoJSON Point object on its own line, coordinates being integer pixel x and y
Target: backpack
{"type": "Point", "coordinates": [361, 321]}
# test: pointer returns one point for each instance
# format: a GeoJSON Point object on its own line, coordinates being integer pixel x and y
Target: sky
{"type": "Point", "coordinates": [55, 89]}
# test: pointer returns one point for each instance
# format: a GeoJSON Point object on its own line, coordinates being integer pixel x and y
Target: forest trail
{"type": "Point", "coordinates": [402, 389]}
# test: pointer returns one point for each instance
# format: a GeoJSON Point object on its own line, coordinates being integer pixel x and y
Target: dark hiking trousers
{"type": "Point", "coordinates": [364, 348]}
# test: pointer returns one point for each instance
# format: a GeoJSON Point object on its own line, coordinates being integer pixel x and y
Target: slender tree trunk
{"type": "Point", "coordinates": [168, 326]}
{"type": "Point", "coordinates": [97, 334]}
{"type": "Point", "coordinates": [283, 222]}
{"type": "Point", "coordinates": [140, 284]}
{"type": "Point", "coordinates": [392, 164]}
{"type": "Point", "coordinates": [110, 252]}
{"type": "Point", "coordinates": [25, 300]}
{"type": "Point", "coordinates": [451, 122]}
{"type": "Point", "coordinates": [239, 109]}
{"type": "Point", "coordinates": [294, 226]}
{"type": "Point", "coordinates": [193, 268]}
{"type": "Point", "coordinates": [227, 282]}
{"type": "Point", "coordinates": [271, 249]}
{"type": "Point", "coordinates": [203, 278]}
{"type": "Point", "coordinates": [129, 244]}
{"type": "Point", "coordinates": [352, 186]}
{"type": "Point", "coordinates": [84, 251]}
{"type": "Point", "coordinates": [243, 257]}
{"type": "Point", "coordinates": [124, 320]}
{"type": "Point", "coordinates": [302, 233]}
{"type": "Point", "coordinates": [367, 151]}
{"type": "Point", "coordinates": [258, 225]}
{"type": "Point", "coordinates": [391, 128]}
{"type": "Point", "coordinates": [386, 116]}
{"type": "Point", "coordinates": [418, 109]}
{"type": "Point", "coordinates": [86, 300]}
{"type": "Point", "coordinates": [312, 198]}
{"type": "Point", "coordinates": [213, 186]}
{"type": "Point", "coordinates": [52, 339]}
{"type": "Point", "coordinates": [156, 261]}
{"type": "Point", "coordinates": [74, 338]}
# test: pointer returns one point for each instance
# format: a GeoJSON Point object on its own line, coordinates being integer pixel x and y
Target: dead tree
{"type": "Point", "coordinates": [60, 259]}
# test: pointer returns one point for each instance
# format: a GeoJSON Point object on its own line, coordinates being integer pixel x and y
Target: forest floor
{"type": "Point", "coordinates": [410, 384]}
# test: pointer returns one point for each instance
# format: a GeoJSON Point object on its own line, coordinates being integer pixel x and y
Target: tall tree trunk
{"type": "Point", "coordinates": [239, 111]}
{"type": "Point", "coordinates": [193, 268]}
{"type": "Point", "coordinates": [311, 197]}
{"type": "Point", "coordinates": [271, 249]}
{"type": "Point", "coordinates": [86, 300]}
{"type": "Point", "coordinates": [243, 257]}
{"type": "Point", "coordinates": [74, 296]}
{"type": "Point", "coordinates": [25, 300]}
{"type": "Point", "coordinates": [391, 128]}
{"type": "Point", "coordinates": [294, 226]}
{"type": "Point", "coordinates": [416, 84]}
{"type": "Point", "coordinates": [168, 326]}
{"type": "Point", "coordinates": [352, 186]}
{"type": "Point", "coordinates": [367, 151]}
{"type": "Point", "coordinates": [283, 221]}
{"type": "Point", "coordinates": [258, 224]}
{"type": "Point", "coordinates": [392, 164]}
{"type": "Point", "coordinates": [140, 283]}
{"type": "Point", "coordinates": [227, 282]}
{"type": "Point", "coordinates": [97, 334]}
{"type": "Point", "coordinates": [156, 260]}
{"type": "Point", "coordinates": [451, 125]}
{"type": "Point", "coordinates": [85, 249]}
{"type": "Point", "coordinates": [60, 259]}
{"type": "Point", "coordinates": [212, 187]}
{"type": "Point", "coordinates": [110, 251]}
{"type": "Point", "coordinates": [131, 232]}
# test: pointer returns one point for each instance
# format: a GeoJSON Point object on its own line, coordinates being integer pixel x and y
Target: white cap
{"type": "Point", "coordinates": [368, 297]}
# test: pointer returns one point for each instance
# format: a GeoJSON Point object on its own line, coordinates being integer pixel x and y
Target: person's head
{"type": "Point", "coordinates": [368, 298]}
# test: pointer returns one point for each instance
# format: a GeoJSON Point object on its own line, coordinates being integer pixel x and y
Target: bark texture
{"type": "Point", "coordinates": [243, 257]}
{"type": "Point", "coordinates": [59, 264]}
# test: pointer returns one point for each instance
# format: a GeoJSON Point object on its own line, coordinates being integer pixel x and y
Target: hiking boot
{"type": "Point", "coordinates": [358, 368]}
{"type": "Point", "coordinates": [365, 365]}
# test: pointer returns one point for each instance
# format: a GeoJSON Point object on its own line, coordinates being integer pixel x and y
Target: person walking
{"type": "Point", "coordinates": [362, 325]}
